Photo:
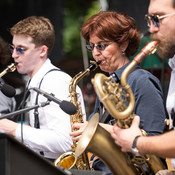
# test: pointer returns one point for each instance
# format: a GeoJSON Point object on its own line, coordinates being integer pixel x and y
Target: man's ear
{"type": "Point", "coordinates": [44, 50]}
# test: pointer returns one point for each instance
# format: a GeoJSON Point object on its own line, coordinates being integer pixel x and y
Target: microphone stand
{"type": "Point", "coordinates": [12, 114]}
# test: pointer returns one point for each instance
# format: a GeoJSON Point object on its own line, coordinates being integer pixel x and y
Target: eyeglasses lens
{"type": "Point", "coordinates": [11, 48]}
{"type": "Point", "coordinates": [154, 19]}
{"type": "Point", "coordinates": [90, 47]}
{"type": "Point", "coordinates": [18, 49]}
{"type": "Point", "coordinates": [99, 47]}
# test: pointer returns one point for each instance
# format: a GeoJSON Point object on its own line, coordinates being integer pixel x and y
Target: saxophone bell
{"type": "Point", "coordinates": [66, 160]}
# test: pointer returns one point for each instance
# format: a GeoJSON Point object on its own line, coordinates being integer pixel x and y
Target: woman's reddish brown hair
{"type": "Point", "coordinates": [113, 26]}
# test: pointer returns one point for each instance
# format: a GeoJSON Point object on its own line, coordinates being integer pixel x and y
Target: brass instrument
{"type": "Point", "coordinates": [68, 160]}
{"type": "Point", "coordinates": [10, 68]}
{"type": "Point", "coordinates": [97, 140]}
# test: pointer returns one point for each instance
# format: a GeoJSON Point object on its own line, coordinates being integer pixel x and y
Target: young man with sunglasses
{"type": "Point", "coordinates": [161, 22]}
{"type": "Point", "coordinates": [48, 132]}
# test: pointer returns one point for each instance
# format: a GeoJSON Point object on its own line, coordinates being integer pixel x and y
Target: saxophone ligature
{"type": "Point", "coordinates": [97, 140]}
{"type": "Point", "coordinates": [68, 160]}
{"type": "Point", "coordinates": [10, 68]}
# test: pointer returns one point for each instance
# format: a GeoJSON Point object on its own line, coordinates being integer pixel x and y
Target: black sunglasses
{"type": "Point", "coordinates": [18, 49]}
{"type": "Point", "coordinates": [99, 47]}
{"type": "Point", "coordinates": [155, 19]}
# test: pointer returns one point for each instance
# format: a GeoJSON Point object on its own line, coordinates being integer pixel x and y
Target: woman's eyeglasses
{"type": "Point", "coordinates": [18, 49]}
{"type": "Point", "coordinates": [99, 47]}
{"type": "Point", "coordinates": [155, 19]}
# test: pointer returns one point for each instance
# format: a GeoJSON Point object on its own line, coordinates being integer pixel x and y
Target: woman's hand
{"type": "Point", "coordinates": [77, 130]}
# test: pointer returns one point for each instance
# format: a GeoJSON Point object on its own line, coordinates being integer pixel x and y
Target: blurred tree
{"type": "Point", "coordinates": [74, 45]}
{"type": "Point", "coordinates": [74, 16]}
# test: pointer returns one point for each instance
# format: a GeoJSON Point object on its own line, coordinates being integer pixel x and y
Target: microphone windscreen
{"type": "Point", "coordinates": [68, 107]}
{"type": "Point", "coordinates": [8, 90]}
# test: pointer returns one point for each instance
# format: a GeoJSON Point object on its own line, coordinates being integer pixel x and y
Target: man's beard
{"type": "Point", "coordinates": [166, 48]}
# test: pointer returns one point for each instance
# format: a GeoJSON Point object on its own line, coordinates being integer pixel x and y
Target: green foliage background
{"type": "Point", "coordinates": [75, 16]}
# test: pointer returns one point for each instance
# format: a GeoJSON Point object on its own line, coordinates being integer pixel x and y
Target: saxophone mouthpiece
{"type": "Point", "coordinates": [93, 65]}
{"type": "Point", "coordinates": [10, 68]}
{"type": "Point", "coordinates": [98, 62]}
{"type": "Point", "coordinates": [150, 48]}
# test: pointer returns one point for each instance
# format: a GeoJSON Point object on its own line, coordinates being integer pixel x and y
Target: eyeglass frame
{"type": "Point", "coordinates": [149, 19]}
{"type": "Point", "coordinates": [19, 50]}
{"type": "Point", "coordinates": [97, 46]}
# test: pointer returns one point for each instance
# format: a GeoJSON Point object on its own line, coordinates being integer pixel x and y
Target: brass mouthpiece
{"type": "Point", "coordinates": [10, 68]}
{"type": "Point", "coordinates": [93, 65]}
{"type": "Point", "coordinates": [150, 48]}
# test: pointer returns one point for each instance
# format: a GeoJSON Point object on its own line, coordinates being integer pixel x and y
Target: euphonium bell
{"type": "Point", "coordinates": [97, 140]}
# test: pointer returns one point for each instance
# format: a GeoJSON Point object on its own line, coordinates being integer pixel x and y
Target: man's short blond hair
{"type": "Point", "coordinates": [39, 28]}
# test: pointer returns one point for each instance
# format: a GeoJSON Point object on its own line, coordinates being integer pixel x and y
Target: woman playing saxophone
{"type": "Point", "coordinates": [113, 38]}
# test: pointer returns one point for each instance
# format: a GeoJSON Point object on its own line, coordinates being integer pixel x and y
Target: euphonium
{"type": "Point", "coordinates": [97, 140]}
{"type": "Point", "coordinates": [10, 68]}
{"type": "Point", "coordinates": [68, 160]}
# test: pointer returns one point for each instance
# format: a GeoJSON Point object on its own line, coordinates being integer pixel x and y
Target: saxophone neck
{"type": "Point", "coordinates": [75, 80]}
{"type": "Point", "coordinates": [150, 48]}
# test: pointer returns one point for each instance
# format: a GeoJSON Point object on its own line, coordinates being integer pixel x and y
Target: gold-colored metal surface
{"type": "Point", "coordinates": [68, 160]}
{"type": "Point", "coordinates": [97, 140]}
{"type": "Point", "coordinates": [10, 68]}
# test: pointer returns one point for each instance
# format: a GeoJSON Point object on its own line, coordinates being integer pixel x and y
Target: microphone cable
{"type": "Point", "coordinates": [21, 106]}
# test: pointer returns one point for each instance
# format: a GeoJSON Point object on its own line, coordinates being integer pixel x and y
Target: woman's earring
{"type": "Point", "coordinates": [123, 53]}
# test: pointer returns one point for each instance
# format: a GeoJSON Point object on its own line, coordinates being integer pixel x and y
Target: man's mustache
{"type": "Point", "coordinates": [154, 37]}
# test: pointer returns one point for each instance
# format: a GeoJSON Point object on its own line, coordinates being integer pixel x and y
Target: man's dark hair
{"type": "Point", "coordinates": [174, 3]}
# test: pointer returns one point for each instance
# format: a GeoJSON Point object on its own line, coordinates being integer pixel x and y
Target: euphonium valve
{"type": "Point", "coordinates": [10, 68]}
{"type": "Point", "coordinates": [68, 159]}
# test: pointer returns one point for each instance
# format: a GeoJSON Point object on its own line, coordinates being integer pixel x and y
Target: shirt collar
{"type": "Point", "coordinates": [118, 72]}
{"type": "Point", "coordinates": [41, 72]}
{"type": "Point", "coordinates": [171, 63]}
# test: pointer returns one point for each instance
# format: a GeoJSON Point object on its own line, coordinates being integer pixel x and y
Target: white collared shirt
{"type": "Point", "coordinates": [53, 136]}
{"type": "Point", "coordinates": [170, 102]}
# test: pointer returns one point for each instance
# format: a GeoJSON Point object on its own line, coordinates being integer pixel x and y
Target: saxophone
{"type": "Point", "coordinates": [97, 140]}
{"type": "Point", "coordinates": [10, 68]}
{"type": "Point", "coordinates": [68, 160]}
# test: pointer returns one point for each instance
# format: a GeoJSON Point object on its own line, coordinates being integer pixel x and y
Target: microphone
{"type": "Point", "coordinates": [21, 111]}
{"type": "Point", "coordinates": [7, 90]}
{"type": "Point", "coordinates": [66, 106]}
